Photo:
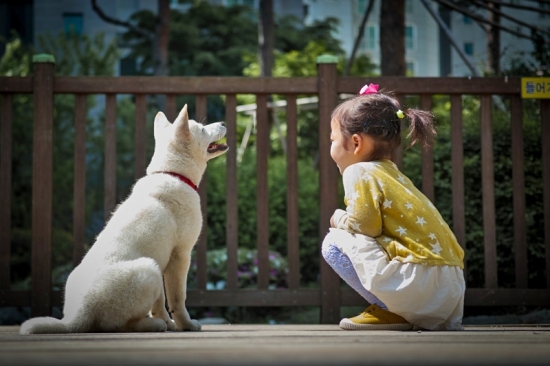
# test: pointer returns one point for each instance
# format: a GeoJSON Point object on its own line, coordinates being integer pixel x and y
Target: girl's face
{"type": "Point", "coordinates": [339, 148]}
{"type": "Point", "coordinates": [345, 153]}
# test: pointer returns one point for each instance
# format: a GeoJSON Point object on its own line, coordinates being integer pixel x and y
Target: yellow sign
{"type": "Point", "coordinates": [535, 88]}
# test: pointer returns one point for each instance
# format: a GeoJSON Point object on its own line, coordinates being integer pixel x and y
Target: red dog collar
{"type": "Point", "coordinates": [183, 179]}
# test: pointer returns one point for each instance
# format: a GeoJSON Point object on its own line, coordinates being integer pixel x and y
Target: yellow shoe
{"type": "Point", "coordinates": [375, 318]}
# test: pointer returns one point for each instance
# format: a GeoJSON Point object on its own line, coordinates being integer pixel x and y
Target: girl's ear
{"type": "Point", "coordinates": [358, 143]}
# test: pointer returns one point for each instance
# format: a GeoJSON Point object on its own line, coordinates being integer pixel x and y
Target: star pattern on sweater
{"type": "Point", "coordinates": [432, 236]}
{"type": "Point", "coordinates": [408, 206]}
{"type": "Point", "coordinates": [401, 231]}
{"type": "Point", "coordinates": [436, 248]}
{"type": "Point", "coordinates": [420, 221]}
{"type": "Point", "coordinates": [386, 239]}
{"type": "Point", "coordinates": [402, 179]}
{"type": "Point", "coordinates": [387, 203]}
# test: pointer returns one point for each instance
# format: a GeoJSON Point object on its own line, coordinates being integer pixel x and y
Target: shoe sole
{"type": "Point", "coordinates": [348, 325]}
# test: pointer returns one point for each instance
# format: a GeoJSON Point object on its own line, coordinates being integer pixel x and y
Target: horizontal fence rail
{"type": "Point", "coordinates": [330, 296]}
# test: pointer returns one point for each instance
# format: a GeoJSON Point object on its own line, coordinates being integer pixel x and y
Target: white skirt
{"type": "Point", "coordinates": [431, 297]}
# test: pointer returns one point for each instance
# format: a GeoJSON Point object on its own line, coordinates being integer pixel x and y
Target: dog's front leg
{"type": "Point", "coordinates": [159, 311]}
{"type": "Point", "coordinates": [175, 281]}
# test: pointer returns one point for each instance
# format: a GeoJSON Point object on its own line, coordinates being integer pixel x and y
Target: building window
{"type": "Point", "coordinates": [469, 48]}
{"type": "Point", "coordinates": [409, 37]}
{"type": "Point", "coordinates": [410, 68]}
{"type": "Point", "coordinates": [467, 20]}
{"type": "Point", "coordinates": [72, 22]}
{"type": "Point", "coordinates": [370, 38]}
{"type": "Point", "coordinates": [409, 6]}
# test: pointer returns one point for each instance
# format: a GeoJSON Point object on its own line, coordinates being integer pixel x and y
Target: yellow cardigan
{"type": "Point", "coordinates": [384, 204]}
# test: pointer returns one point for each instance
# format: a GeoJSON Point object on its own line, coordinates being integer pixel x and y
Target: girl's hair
{"type": "Point", "coordinates": [376, 115]}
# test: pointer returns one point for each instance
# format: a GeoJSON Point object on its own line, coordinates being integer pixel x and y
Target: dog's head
{"type": "Point", "coordinates": [185, 146]}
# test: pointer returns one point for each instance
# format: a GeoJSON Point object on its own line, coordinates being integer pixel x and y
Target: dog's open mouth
{"type": "Point", "coordinates": [215, 147]}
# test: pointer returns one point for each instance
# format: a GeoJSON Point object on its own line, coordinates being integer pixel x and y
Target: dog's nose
{"type": "Point", "coordinates": [223, 124]}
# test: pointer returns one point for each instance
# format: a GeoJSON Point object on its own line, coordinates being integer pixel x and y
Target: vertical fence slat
{"type": "Point", "coordinates": [427, 156]}
{"type": "Point", "coordinates": [457, 158]}
{"type": "Point", "coordinates": [201, 243]}
{"type": "Point", "coordinates": [232, 234]}
{"type": "Point", "coordinates": [488, 189]}
{"type": "Point", "coordinates": [262, 148]}
{"type": "Point", "coordinates": [109, 200]}
{"type": "Point", "coordinates": [171, 108]}
{"type": "Point", "coordinates": [79, 187]}
{"type": "Point", "coordinates": [520, 230]}
{"type": "Point", "coordinates": [140, 151]}
{"type": "Point", "coordinates": [545, 122]}
{"type": "Point", "coordinates": [42, 190]}
{"type": "Point", "coordinates": [328, 189]}
{"type": "Point", "coordinates": [5, 189]}
{"type": "Point", "coordinates": [397, 156]}
{"type": "Point", "coordinates": [292, 192]}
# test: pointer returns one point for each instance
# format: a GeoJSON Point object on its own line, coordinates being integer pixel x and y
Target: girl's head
{"type": "Point", "coordinates": [373, 121]}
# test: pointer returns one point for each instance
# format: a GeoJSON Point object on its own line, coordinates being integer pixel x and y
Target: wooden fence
{"type": "Point", "coordinates": [327, 86]}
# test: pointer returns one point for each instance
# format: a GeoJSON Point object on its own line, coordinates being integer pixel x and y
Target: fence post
{"type": "Point", "coordinates": [42, 184]}
{"type": "Point", "coordinates": [328, 184]}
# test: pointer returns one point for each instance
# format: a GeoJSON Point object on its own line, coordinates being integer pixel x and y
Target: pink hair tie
{"type": "Point", "coordinates": [369, 89]}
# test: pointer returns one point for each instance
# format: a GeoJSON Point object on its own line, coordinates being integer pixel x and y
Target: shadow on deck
{"type": "Point", "coordinates": [283, 345]}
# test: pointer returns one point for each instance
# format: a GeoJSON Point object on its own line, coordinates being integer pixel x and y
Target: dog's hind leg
{"type": "Point", "coordinates": [144, 325]}
{"type": "Point", "coordinates": [175, 280]}
{"type": "Point", "coordinates": [159, 311]}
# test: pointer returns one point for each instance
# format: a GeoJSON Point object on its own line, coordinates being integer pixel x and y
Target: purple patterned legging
{"type": "Point", "coordinates": [343, 266]}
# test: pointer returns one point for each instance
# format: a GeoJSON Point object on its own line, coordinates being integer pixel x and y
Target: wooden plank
{"type": "Point", "coordinates": [109, 200]}
{"type": "Point", "coordinates": [292, 192]}
{"type": "Point", "coordinates": [427, 156]}
{"type": "Point", "coordinates": [253, 297]}
{"type": "Point", "coordinates": [309, 297]}
{"type": "Point", "coordinates": [140, 163]}
{"type": "Point", "coordinates": [262, 153]}
{"type": "Point", "coordinates": [184, 85]}
{"type": "Point", "coordinates": [434, 85]}
{"type": "Point", "coordinates": [457, 161]}
{"type": "Point", "coordinates": [545, 132]}
{"type": "Point", "coordinates": [171, 107]}
{"type": "Point", "coordinates": [232, 208]}
{"type": "Point", "coordinates": [201, 246]}
{"type": "Point", "coordinates": [488, 193]}
{"type": "Point", "coordinates": [520, 229]}
{"type": "Point", "coordinates": [42, 190]}
{"type": "Point", "coordinates": [328, 190]}
{"type": "Point", "coordinates": [79, 185]}
{"type": "Point", "coordinates": [6, 136]}
{"type": "Point", "coordinates": [16, 84]}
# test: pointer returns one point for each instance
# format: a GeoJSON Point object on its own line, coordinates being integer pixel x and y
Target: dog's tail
{"type": "Point", "coordinates": [44, 325]}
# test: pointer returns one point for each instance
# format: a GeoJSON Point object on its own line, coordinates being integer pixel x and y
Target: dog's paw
{"type": "Point", "coordinates": [192, 325]}
{"type": "Point", "coordinates": [171, 325]}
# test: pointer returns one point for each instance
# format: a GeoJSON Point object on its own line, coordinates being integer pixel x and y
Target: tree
{"type": "Point", "coordinates": [392, 38]}
{"type": "Point", "coordinates": [266, 37]}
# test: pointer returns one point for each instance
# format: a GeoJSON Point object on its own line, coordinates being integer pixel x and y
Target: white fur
{"type": "Point", "coordinates": [149, 236]}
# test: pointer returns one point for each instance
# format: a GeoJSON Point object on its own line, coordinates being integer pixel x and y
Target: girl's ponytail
{"type": "Point", "coordinates": [422, 128]}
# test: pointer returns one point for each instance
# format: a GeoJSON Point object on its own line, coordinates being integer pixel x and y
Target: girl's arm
{"type": "Point", "coordinates": [362, 198]}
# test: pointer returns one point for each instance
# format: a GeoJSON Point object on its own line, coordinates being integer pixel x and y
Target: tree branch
{"type": "Point", "coordinates": [359, 37]}
{"type": "Point", "coordinates": [524, 7]}
{"type": "Point", "coordinates": [115, 21]}
{"type": "Point", "coordinates": [515, 20]}
{"type": "Point", "coordinates": [483, 20]}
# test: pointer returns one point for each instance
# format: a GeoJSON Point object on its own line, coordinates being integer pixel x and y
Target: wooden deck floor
{"type": "Point", "coordinates": [282, 345]}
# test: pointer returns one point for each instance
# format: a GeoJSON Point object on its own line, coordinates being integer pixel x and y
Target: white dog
{"type": "Point", "coordinates": [150, 235]}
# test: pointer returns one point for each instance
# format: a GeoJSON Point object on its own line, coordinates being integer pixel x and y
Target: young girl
{"type": "Point", "coordinates": [391, 244]}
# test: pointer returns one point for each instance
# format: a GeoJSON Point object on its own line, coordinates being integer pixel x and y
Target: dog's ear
{"type": "Point", "coordinates": [181, 124]}
{"type": "Point", "coordinates": [161, 122]}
